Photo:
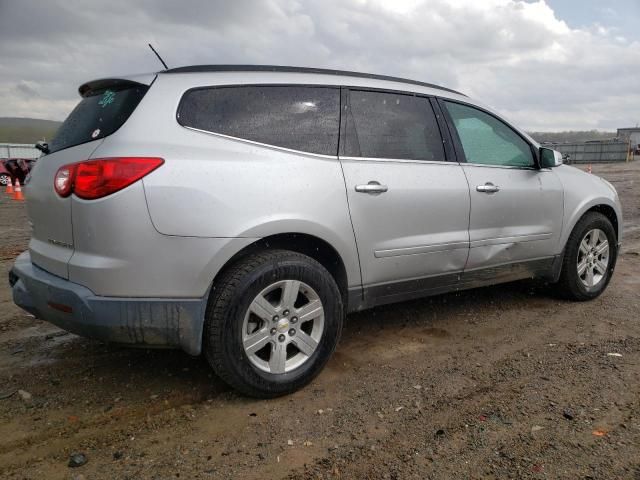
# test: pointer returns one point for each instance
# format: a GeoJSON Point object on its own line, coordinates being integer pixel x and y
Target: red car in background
{"type": "Point", "coordinates": [15, 169]}
{"type": "Point", "coordinates": [5, 176]}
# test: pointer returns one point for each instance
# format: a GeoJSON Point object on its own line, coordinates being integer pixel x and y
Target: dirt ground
{"type": "Point", "coordinates": [501, 382]}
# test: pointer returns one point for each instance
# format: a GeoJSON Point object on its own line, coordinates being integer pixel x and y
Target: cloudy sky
{"type": "Point", "coordinates": [546, 64]}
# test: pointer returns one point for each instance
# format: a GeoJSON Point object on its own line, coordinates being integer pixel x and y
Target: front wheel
{"type": "Point", "coordinates": [272, 322]}
{"type": "Point", "coordinates": [589, 258]}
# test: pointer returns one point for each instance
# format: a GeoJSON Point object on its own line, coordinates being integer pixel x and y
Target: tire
{"type": "Point", "coordinates": [4, 179]}
{"type": "Point", "coordinates": [231, 323]}
{"type": "Point", "coordinates": [575, 286]}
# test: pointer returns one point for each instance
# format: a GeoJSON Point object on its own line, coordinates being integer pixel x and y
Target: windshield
{"type": "Point", "coordinates": [99, 114]}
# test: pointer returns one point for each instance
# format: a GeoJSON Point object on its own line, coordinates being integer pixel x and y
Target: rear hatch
{"type": "Point", "coordinates": [103, 109]}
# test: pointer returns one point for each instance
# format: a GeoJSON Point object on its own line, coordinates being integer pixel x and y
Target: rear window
{"type": "Point", "coordinates": [98, 115]}
{"type": "Point", "coordinates": [296, 117]}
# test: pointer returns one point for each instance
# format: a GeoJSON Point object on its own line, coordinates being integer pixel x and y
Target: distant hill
{"type": "Point", "coordinates": [572, 136]}
{"type": "Point", "coordinates": [26, 130]}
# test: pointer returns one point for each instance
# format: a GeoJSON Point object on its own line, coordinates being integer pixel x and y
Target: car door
{"type": "Point", "coordinates": [516, 208]}
{"type": "Point", "coordinates": [409, 205]}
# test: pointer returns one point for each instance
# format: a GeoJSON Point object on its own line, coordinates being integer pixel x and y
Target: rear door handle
{"type": "Point", "coordinates": [488, 188]}
{"type": "Point", "coordinates": [372, 187]}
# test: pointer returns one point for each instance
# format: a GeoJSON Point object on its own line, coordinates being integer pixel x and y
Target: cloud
{"type": "Point", "coordinates": [516, 56]}
{"type": "Point", "coordinates": [26, 89]}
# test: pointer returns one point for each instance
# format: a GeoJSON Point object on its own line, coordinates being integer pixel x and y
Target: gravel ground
{"type": "Point", "coordinates": [500, 382]}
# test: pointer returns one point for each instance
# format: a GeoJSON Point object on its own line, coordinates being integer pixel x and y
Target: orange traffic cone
{"type": "Point", "coordinates": [9, 190]}
{"type": "Point", "coordinates": [17, 194]}
{"type": "Point", "coordinates": [589, 169]}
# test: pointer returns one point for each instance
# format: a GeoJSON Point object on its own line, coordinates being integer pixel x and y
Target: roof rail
{"type": "Point", "coordinates": [289, 69]}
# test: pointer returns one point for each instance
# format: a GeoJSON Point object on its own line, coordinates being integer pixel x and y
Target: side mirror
{"type": "Point", "coordinates": [550, 158]}
{"type": "Point", "coordinates": [42, 146]}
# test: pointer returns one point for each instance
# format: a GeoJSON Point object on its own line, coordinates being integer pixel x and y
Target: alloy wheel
{"type": "Point", "coordinates": [283, 326]}
{"type": "Point", "coordinates": [593, 258]}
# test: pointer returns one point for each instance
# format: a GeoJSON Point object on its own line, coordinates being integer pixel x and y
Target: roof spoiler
{"type": "Point", "coordinates": [116, 83]}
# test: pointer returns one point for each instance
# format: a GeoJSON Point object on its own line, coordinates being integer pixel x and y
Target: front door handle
{"type": "Point", "coordinates": [488, 188]}
{"type": "Point", "coordinates": [372, 187]}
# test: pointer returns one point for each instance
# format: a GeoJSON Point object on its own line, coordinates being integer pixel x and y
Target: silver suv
{"type": "Point", "coordinates": [242, 211]}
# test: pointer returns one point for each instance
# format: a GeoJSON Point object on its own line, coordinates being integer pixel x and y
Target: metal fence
{"type": "Point", "coordinates": [593, 152]}
{"type": "Point", "coordinates": [18, 150]}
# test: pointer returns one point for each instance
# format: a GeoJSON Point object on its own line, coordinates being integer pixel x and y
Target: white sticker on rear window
{"type": "Point", "coordinates": [95, 133]}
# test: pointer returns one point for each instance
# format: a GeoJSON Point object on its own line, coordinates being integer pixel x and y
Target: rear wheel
{"type": "Point", "coordinates": [272, 322]}
{"type": "Point", "coordinates": [5, 179]}
{"type": "Point", "coordinates": [589, 259]}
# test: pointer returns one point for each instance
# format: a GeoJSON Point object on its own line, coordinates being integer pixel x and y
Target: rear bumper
{"type": "Point", "coordinates": [152, 322]}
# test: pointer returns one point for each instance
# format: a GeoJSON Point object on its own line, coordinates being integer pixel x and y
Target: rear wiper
{"type": "Point", "coordinates": [43, 147]}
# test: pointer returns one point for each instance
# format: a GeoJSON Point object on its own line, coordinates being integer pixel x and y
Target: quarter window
{"type": "Point", "coordinates": [488, 141]}
{"type": "Point", "coordinates": [296, 117]}
{"type": "Point", "coordinates": [390, 125]}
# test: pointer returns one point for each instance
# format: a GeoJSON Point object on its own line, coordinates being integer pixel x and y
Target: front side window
{"type": "Point", "coordinates": [390, 125]}
{"type": "Point", "coordinates": [488, 141]}
{"type": "Point", "coordinates": [296, 117]}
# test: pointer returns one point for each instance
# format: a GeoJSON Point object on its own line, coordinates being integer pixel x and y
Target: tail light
{"type": "Point", "coordinates": [103, 176]}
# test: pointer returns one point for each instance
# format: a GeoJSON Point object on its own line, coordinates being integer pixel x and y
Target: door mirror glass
{"type": "Point", "coordinates": [550, 158]}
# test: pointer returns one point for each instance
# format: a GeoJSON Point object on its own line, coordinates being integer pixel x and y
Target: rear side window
{"type": "Point", "coordinates": [390, 125]}
{"type": "Point", "coordinates": [99, 114]}
{"type": "Point", "coordinates": [296, 117]}
{"type": "Point", "coordinates": [488, 141]}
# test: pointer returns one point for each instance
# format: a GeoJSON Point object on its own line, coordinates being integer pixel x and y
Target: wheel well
{"type": "Point", "coordinates": [313, 247]}
{"type": "Point", "coordinates": [608, 212]}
